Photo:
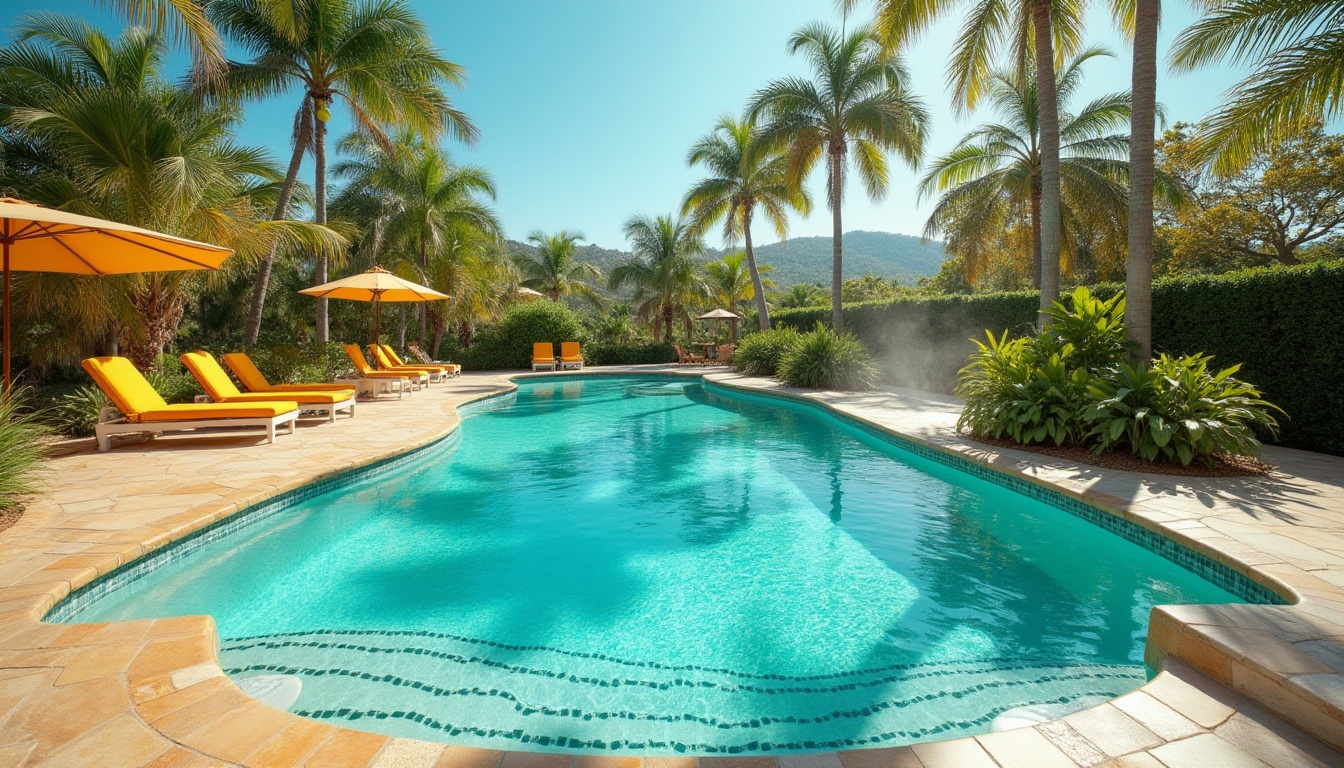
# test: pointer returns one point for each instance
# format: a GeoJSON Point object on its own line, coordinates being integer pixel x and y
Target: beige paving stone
{"type": "Point", "coordinates": [1193, 696]}
{"type": "Point", "coordinates": [1113, 731]}
{"type": "Point", "coordinates": [540, 760]}
{"type": "Point", "coordinates": [472, 757]}
{"type": "Point", "coordinates": [598, 761]}
{"type": "Point", "coordinates": [347, 749]}
{"type": "Point", "coordinates": [671, 762]}
{"type": "Point", "coordinates": [1275, 743]}
{"type": "Point", "coordinates": [1157, 717]}
{"type": "Point", "coordinates": [123, 742]}
{"type": "Point", "coordinates": [408, 753]}
{"type": "Point", "coordinates": [1136, 760]}
{"type": "Point", "coordinates": [1072, 743]}
{"type": "Point", "coordinates": [890, 757]}
{"type": "Point", "coordinates": [1204, 751]}
{"type": "Point", "coordinates": [292, 745]}
{"type": "Point", "coordinates": [1024, 748]}
{"type": "Point", "coordinates": [958, 753]}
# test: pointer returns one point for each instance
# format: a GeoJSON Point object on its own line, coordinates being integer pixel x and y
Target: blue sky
{"type": "Point", "coordinates": [587, 107]}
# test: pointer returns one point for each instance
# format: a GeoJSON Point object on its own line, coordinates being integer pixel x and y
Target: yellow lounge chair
{"type": "Point", "coordinates": [221, 389]}
{"type": "Point", "coordinates": [253, 380]}
{"type": "Point", "coordinates": [543, 356]}
{"type": "Point", "coordinates": [143, 410]}
{"type": "Point", "coordinates": [362, 367]}
{"type": "Point", "coordinates": [379, 352]}
{"type": "Point", "coordinates": [447, 369]}
{"type": "Point", "coordinates": [423, 357]}
{"type": "Point", "coordinates": [569, 355]}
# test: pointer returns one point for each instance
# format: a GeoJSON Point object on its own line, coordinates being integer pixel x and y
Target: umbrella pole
{"type": "Point", "coordinates": [6, 311]}
{"type": "Point", "coordinates": [376, 335]}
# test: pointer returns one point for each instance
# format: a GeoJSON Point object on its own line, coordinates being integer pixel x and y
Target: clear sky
{"type": "Point", "coordinates": [587, 107]}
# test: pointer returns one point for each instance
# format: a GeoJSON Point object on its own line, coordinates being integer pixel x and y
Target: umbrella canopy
{"type": "Point", "coordinates": [376, 285]}
{"type": "Point", "coordinates": [719, 314]}
{"type": "Point", "coordinates": [37, 239]}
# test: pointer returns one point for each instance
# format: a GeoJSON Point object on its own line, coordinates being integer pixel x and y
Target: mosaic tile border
{"type": "Point", "coordinates": [1201, 565]}
{"type": "Point", "coordinates": [132, 571]}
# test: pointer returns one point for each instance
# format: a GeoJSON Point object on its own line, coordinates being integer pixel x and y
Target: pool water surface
{"type": "Point", "coordinates": [658, 566]}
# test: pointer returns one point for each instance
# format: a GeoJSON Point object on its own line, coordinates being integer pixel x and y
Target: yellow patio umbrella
{"type": "Point", "coordinates": [377, 285]}
{"type": "Point", "coordinates": [38, 239]}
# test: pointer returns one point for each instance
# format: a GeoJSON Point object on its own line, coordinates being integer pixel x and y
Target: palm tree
{"type": "Point", "coordinates": [1296, 50]}
{"type": "Point", "coordinates": [801, 295]}
{"type": "Point", "coordinates": [1142, 132]}
{"type": "Point", "coordinates": [93, 128]}
{"type": "Point", "coordinates": [662, 269]}
{"type": "Point", "coordinates": [730, 284]}
{"type": "Point", "coordinates": [856, 109]}
{"type": "Point", "coordinates": [425, 198]}
{"type": "Point", "coordinates": [745, 174]}
{"type": "Point", "coordinates": [554, 269]}
{"type": "Point", "coordinates": [994, 174]}
{"type": "Point", "coordinates": [374, 56]}
{"type": "Point", "coordinates": [184, 21]}
{"type": "Point", "coordinates": [1039, 29]}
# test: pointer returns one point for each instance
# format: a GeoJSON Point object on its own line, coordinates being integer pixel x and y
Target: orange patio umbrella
{"type": "Point", "coordinates": [376, 285]}
{"type": "Point", "coordinates": [38, 239]}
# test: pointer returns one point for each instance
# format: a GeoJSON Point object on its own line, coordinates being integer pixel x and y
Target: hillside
{"type": "Point", "coordinates": [808, 259]}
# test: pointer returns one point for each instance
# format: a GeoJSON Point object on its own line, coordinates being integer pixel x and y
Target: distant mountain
{"type": "Point", "coordinates": [808, 259]}
{"type": "Point", "coordinates": [884, 254]}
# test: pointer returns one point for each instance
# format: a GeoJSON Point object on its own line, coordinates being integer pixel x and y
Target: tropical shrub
{"type": "Point", "coordinates": [1280, 323]}
{"type": "Point", "coordinates": [76, 413]}
{"type": "Point", "coordinates": [172, 380]}
{"type": "Point", "coordinates": [629, 354]}
{"type": "Point", "coordinates": [297, 363]}
{"type": "Point", "coordinates": [1177, 409]}
{"type": "Point", "coordinates": [824, 359]}
{"type": "Point", "coordinates": [523, 324]}
{"type": "Point", "coordinates": [1071, 385]}
{"type": "Point", "coordinates": [759, 354]}
{"type": "Point", "coordinates": [21, 451]}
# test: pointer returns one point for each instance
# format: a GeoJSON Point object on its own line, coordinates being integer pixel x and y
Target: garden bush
{"type": "Point", "coordinates": [824, 359]}
{"type": "Point", "coordinates": [510, 344]}
{"type": "Point", "coordinates": [648, 353]}
{"type": "Point", "coordinates": [297, 363]}
{"type": "Point", "coordinates": [22, 450]}
{"type": "Point", "coordinates": [1282, 324]}
{"type": "Point", "coordinates": [760, 353]}
{"type": "Point", "coordinates": [76, 413]}
{"type": "Point", "coordinates": [1071, 385]}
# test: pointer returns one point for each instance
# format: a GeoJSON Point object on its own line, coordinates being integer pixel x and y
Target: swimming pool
{"type": "Point", "coordinates": [658, 566]}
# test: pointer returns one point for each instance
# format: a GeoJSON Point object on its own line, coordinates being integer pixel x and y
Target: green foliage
{"type": "Point", "coordinates": [628, 354]}
{"type": "Point", "coordinates": [510, 346]}
{"type": "Point", "coordinates": [300, 363]}
{"type": "Point", "coordinates": [76, 413]}
{"type": "Point", "coordinates": [21, 450]}
{"type": "Point", "coordinates": [824, 359]}
{"type": "Point", "coordinates": [1177, 409]}
{"type": "Point", "coordinates": [1071, 385]}
{"type": "Point", "coordinates": [172, 380]}
{"type": "Point", "coordinates": [759, 354]}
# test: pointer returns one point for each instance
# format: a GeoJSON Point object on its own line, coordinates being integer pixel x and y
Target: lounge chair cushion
{"type": "Point", "coordinates": [263, 409]}
{"type": "Point", "coordinates": [132, 394]}
{"type": "Point", "coordinates": [310, 398]}
{"type": "Point", "coordinates": [543, 352]}
{"type": "Point", "coordinates": [387, 365]}
{"type": "Point", "coordinates": [252, 378]}
{"type": "Point", "coordinates": [211, 376]}
{"type": "Point", "coordinates": [397, 362]}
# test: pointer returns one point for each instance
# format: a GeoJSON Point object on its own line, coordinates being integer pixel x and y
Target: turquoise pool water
{"type": "Point", "coordinates": [654, 566]}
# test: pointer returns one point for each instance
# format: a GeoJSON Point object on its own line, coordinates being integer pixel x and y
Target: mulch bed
{"type": "Point", "coordinates": [8, 519]}
{"type": "Point", "coordinates": [1223, 465]}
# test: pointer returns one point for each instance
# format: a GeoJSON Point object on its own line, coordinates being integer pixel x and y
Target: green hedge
{"type": "Point", "coordinates": [1285, 325]}
{"type": "Point", "coordinates": [510, 345]}
{"type": "Point", "coordinates": [628, 354]}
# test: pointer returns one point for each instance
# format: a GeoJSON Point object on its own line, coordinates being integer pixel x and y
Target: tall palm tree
{"type": "Point", "coordinates": [183, 21]}
{"type": "Point", "coordinates": [994, 174]}
{"type": "Point", "coordinates": [1142, 132]}
{"type": "Point", "coordinates": [856, 109]}
{"type": "Point", "coordinates": [425, 198]}
{"type": "Point", "coordinates": [553, 267]}
{"type": "Point", "coordinates": [99, 131]}
{"type": "Point", "coordinates": [373, 56]}
{"type": "Point", "coordinates": [1039, 30]}
{"type": "Point", "coordinates": [662, 269]}
{"type": "Point", "coordinates": [745, 174]}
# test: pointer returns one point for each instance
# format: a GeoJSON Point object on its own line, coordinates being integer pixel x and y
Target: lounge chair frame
{"type": "Point", "coordinates": [324, 411]}
{"type": "Point", "coordinates": [111, 422]}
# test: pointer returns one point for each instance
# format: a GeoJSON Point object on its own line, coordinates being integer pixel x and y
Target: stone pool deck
{"type": "Point", "coordinates": [1240, 686]}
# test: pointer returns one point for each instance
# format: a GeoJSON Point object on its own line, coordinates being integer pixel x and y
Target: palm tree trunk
{"type": "Point", "coordinates": [1049, 118]}
{"type": "Point", "coordinates": [667, 322]}
{"type": "Point", "coordinates": [1036, 234]}
{"type": "Point", "coordinates": [424, 305]}
{"type": "Point", "coordinates": [1139, 266]}
{"type": "Point", "coordinates": [762, 309]}
{"type": "Point", "coordinates": [837, 237]}
{"type": "Point", "coordinates": [252, 328]}
{"type": "Point", "coordinates": [320, 216]}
